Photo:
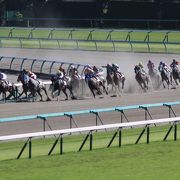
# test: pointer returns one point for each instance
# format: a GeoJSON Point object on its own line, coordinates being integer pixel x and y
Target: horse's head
{"type": "Point", "coordinates": [19, 78]}
{"type": "Point", "coordinates": [23, 78]}
{"type": "Point", "coordinates": [54, 78]}
{"type": "Point", "coordinates": [161, 68]}
{"type": "Point", "coordinates": [3, 86]}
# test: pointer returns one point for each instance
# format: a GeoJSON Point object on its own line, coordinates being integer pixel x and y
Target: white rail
{"type": "Point", "coordinates": [90, 128]}
{"type": "Point", "coordinates": [59, 133]}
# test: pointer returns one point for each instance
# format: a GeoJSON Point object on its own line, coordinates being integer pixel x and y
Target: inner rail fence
{"type": "Point", "coordinates": [96, 113]}
{"type": "Point", "coordinates": [91, 39]}
{"type": "Point", "coordinates": [43, 68]}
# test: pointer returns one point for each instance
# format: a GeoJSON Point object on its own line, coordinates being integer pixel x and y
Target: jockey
{"type": "Point", "coordinates": [60, 75]}
{"type": "Point", "coordinates": [109, 69]}
{"type": "Point", "coordinates": [3, 77]}
{"type": "Point", "coordinates": [165, 66]}
{"type": "Point", "coordinates": [116, 69]}
{"type": "Point", "coordinates": [89, 73]}
{"type": "Point", "coordinates": [25, 75]}
{"type": "Point", "coordinates": [74, 72]}
{"type": "Point", "coordinates": [150, 65]}
{"type": "Point", "coordinates": [139, 68]}
{"type": "Point", "coordinates": [174, 65]}
{"type": "Point", "coordinates": [62, 70]}
{"type": "Point", "coordinates": [32, 75]}
{"type": "Point", "coordinates": [95, 69]}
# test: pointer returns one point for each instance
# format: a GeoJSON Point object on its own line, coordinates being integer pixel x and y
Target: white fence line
{"type": "Point", "coordinates": [145, 124]}
{"type": "Point", "coordinates": [89, 128]}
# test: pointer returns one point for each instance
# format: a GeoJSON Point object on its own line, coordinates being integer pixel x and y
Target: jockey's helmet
{"type": "Point", "coordinates": [88, 66]}
{"type": "Point", "coordinates": [174, 61]}
{"type": "Point", "coordinates": [161, 63]}
{"type": "Point", "coordinates": [149, 61]}
{"type": "Point", "coordinates": [140, 64]}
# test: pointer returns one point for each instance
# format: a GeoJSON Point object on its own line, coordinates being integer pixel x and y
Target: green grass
{"type": "Point", "coordinates": [157, 160]}
{"type": "Point", "coordinates": [84, 34]}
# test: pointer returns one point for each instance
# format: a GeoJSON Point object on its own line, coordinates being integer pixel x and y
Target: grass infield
{"type": "Point", "coordinates": [157, 160]}
{"type": "Point", "coordinates": [83, 34]}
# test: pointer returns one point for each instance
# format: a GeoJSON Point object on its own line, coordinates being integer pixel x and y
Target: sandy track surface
{"type": "Point", "coordinates": [126, 62]}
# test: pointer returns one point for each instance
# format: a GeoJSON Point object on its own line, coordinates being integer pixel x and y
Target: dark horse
{"type": "Point", "coordinates": [6, 87]}
{"type": "Point", "coordinates": [61, 85]}
{"type": "Point", "coordinates": [115, 79]}
{"type": "Point", "coordinates": [31, 85]}
{"type": "Point", "coordinates": [175, 75]}
{"type": "Point", "coordinates": [165, 76]}
{"type": "Point", "coordinates": [142, 80]}
{"type": "Point", "coordinates": [95, 85]}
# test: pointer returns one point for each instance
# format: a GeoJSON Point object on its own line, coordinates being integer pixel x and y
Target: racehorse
{"type": "Point", "coordinates": [61, 85]}
{"type": "Point", "coordinates": [165, 76]}
{"type": "Point", "coordinates": [155, 77]}
{"type": "Point", "coordinates": [6, 87]}
{"type": "Point", "coordinates": [115, 79]}
{"type": "Point", "coordinates": [175, 75]}
{"type": "Point", "coordinates": [95, 85]}
{"type": "Point", "coordinates": [31, 85]}
{"type": "Point", "coordinates": [142, 80]}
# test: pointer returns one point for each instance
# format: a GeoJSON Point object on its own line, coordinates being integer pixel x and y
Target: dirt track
{"type": "Point", "coordinates": [126, 62]}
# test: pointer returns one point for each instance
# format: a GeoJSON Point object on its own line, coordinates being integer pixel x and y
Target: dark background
{"type": "Point", "coordinates": [91, 9]}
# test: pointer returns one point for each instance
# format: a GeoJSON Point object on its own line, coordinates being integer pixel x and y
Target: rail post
{"type": "Point", "coordinates": [109, 37]}
{"type": "Point", "coordinates": [11, 32]}
{"type": "Point", "coordinates": [147, 39]}
{"type": "Point", "coordinates": [50, 36]}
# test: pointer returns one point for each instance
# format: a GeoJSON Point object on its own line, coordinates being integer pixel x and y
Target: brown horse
{"type": "Point", "coordinates": [31, 85]}
{"type": "Point", "coordinates": [165, 76]}
{"type": "Point", "coordinates": [117, 81]}
{"type": "Point", "coordinates": [95, 85]}
{"type": "Point", "coordinates": [143, 80]}
{"type": "Point", "coordinates": [175, 74]}
{"type": "Point", "coordinates": [61, 85]}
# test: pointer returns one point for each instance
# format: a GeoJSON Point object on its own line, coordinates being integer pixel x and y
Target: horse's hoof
{"type": "Point", "coordinates": [73, 97]}
{"type": "Point", "coordinates": [66, 99]}
{"type": "Point", "coordinates": [48, 99]}
{"type": "Point", "coordinates": [114, 95]}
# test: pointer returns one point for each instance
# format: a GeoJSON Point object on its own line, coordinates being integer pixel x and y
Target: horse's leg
{"type": "Point", "coordinates": [39, 95]}
{"type": "Point", "coordinates": [105, 89]}
{"type": "Point", "coordinates": [123, 81]}
{"type": "Point", "coordinates": [71, 91]}
{"type": "Point", "coordinates": [163, 83]}
{"type": "Point", "coordinates": [4, 96]}
{"type": "Point", "coordinates": [147, 82]}
{"type": "Point", "coordinates": [64, 91]}
{"type": "Point", "coordinates": [44, 89]}
{"type": "Point", "coordinates": [92, 92]}
{"type": "Point", "coordinates": [168, 82]}
{"type": "Point", "coordinates": [102, 84]}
